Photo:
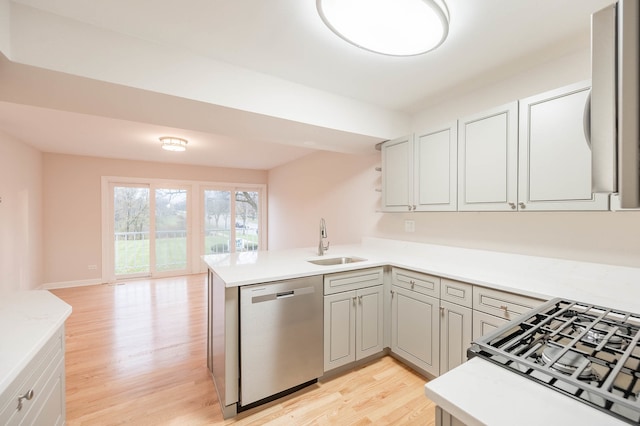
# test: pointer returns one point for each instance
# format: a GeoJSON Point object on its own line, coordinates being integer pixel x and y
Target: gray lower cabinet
{"type": "Point", "coordinates": [353, 326]}
{"type": "Point", "coordinates": [484, 323]}
{"type": "Point", "coordinates": [455, 323]}
{"type": "Point", "coordinates": [443, 418]}
{"type": "Point", "coordinates": [455, 335]}
{"type": "Point", "coordinates": [415, 328]}
{"type": "Point", "coordinates": [493, 308]}
{"type": "Point", "coordinates": [37, 395]}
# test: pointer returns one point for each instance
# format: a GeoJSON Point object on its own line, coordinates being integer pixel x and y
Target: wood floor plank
{"type": "Point", "coordinates": [136, 354]}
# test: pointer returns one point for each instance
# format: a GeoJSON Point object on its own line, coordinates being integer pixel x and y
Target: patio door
{"type": "Point", "coordinates": [150, 230]}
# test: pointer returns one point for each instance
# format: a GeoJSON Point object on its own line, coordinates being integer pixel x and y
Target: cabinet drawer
{"type": "Point", "coordinates": [34, 376]}
{"type": "Point", "coordinates": [502, 304]}
{"type": "Point", "coordinates": [353, 280]}
{"type": "Point", "coordinates": [456, 292]}
{"type": "Point", "coordinates": [421, 283]}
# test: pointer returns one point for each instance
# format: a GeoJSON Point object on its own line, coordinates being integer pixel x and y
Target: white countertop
{"type": "Point", "coordinates": [28, 319]}
{"type": "Point", "coordinates": [481, 393]}
{"type": "Point", "coordinates": [605, 285]}
{"type": "Point", "coordinates": [477, 392]}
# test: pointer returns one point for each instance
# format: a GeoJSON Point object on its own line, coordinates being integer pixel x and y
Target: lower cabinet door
{"type": "Point", "coordinates": [415, 328]}
{"type": "Point", "coordinates": [369, 322]}
{"type": "Point", "coordinates": [339, 329]}
{"type": "Point", "coordinates": [484, 323]}
{"type": "Point", "coordinates": [455, 335]}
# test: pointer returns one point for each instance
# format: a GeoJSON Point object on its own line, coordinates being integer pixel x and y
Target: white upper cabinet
{"type": "Point", "coordinates": [555, 152]}
{"type": "Point", "coordinates": [397, 175]}
{"type": "Point", "coordinates": [435, 169]}
{"type": "Point", "coordinates": [532, 154]}
{"type": "Point", "coordinates": [420, 175]}
{"type": "Point", "coordinates": [488, 160]}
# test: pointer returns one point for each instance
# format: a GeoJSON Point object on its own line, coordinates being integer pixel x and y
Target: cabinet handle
{"type": "Point", "coordinates": [413, 283]}
{"type": "Point", "coordinates": [354, 299]}
{"type": "Point", "coordinates": [504, 308]}
{"type": "Point", "coordinates": [360, 300]}
{"type": "Point", "coordinates": [392, 293]}
{"type": "Point", "coordinates": [28, 396]}
{"type": "Point", "coordinates": [442, 311]}
{"type": "Point", "coordinates": [522, 205]}
{"type": "Point", "coordinates": [409, 206]}
{"type": "Point", "coordinates": [414, 207]}
{"type": "Point", "coordinates": [512, 205]}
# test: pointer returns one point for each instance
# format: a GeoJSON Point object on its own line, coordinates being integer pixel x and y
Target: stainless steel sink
{"type": "Point", "coordinates": [336, 260]}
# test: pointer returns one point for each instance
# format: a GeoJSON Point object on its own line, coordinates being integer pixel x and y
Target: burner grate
{"type": "Point", "coordinates": [589, 352]}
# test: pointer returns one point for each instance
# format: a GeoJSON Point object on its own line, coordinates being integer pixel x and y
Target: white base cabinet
{"type": "Point", "coordinates": [37, 395]}
{"type": "Point", "coordinates": [493, 308]}
{"type": "Point", "coordinates": [455, 323]}
{"type": "Point", "coordinates": [455, 335]}
{"type": "Point", "coordinates": [443, 418]}
{"type": "Point", "coordinates": [484, 323]}
{"type": "Point", "coordinates": [415, 328]}
{"type": "Point", "coordinates": [353, 326]}
{"type": "Point", "coordinates": [353, 320]}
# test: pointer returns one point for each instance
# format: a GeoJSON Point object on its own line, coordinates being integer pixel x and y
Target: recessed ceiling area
{"type": "Point", "coordinates": [251, 83]}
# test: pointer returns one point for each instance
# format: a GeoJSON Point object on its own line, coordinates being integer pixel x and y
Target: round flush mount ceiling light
{"type": "Point", "coordinates": [171, 143]}
{"type": "Point", "coordinates": [389, 27]}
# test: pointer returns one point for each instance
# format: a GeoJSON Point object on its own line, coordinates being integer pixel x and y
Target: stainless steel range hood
{"type": "Point", "coordinates": [615, 101]}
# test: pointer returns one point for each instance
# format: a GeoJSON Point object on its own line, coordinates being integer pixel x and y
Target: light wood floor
{"type": "Point", "coordinates": [135, 354]}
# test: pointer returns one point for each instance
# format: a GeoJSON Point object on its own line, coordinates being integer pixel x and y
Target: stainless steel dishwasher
{"type": "Point", "coordinates": [281, 336]}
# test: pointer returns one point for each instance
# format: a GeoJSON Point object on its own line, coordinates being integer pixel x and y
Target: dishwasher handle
{"type": "Point", "coordinates": [276, 295]}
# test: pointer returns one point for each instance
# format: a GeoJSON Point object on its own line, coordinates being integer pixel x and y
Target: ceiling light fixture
{"type": "Point", "coordinates": [389, 27]}
{"type": "Point", "coordinates": [173, 144]}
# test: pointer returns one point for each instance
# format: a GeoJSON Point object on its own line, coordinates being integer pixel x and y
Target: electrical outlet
{"type": "Point", "coordinates": [409, 226]}
{"type": "Point", "coordinates": [92, 267]}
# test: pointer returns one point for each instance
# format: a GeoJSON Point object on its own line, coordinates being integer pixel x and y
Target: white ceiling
{"type": "Point", "coordinates": [281, 39]}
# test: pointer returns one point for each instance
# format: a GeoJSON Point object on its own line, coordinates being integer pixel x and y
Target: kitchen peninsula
{"type": "Point", "coordinates": [32, 343]}
{"type": "Point", "coordinates": [531, 277]}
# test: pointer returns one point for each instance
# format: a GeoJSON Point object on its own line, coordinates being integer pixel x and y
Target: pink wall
{"type": "Point", "coordinates": [72, 206]}
{"type": "Point", "coordinates": [20, 215]}
{"type": "Point", "coordinates": [338, 187]}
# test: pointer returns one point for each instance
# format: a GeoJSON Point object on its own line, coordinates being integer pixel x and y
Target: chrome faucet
{"type": "Point", "coordinates": [323, 235]}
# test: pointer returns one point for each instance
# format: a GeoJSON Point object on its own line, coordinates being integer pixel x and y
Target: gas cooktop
{"type": "Point", "coordinates": [588, 352]}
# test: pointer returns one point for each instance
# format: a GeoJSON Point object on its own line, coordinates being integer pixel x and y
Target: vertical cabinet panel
{"type": "Point", "coordinates": [397, 174]}
{"type": "Point", "coordinates": [415, 328]}
{"type": "Point", "coordinates": [369, 322]}
{"type": "Point", "coordinates": [455, 335]}
{"type": "Point", "coordinates": [487, 160]}
{"type": "Point", "coordinates": [435, 170]}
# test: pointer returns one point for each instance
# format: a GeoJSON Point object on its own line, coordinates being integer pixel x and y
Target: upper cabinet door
{"type": "Point", "coordinates": [397, 175]}
{"type": "Point", "coordinates": [435, 167]}
{"type": "Point", "coordinates": [555, 152]}
{"type": "Point", "coordinates": [488, 160]}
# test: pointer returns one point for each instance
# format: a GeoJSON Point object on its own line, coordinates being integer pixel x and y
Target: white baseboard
{"type": "Point", "coordinates": [67, 284]}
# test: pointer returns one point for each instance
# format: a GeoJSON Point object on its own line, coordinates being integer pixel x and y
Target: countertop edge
{"type": "Point", "coordinates": [59, 313]}
{"type": "Point", "coordinates": [498, 404]}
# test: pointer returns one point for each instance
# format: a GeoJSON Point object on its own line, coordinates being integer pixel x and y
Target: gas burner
{"type": "Point", "coordinates": [568, 363]}
{"type": "Point", "coordinates": [598, 333]}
